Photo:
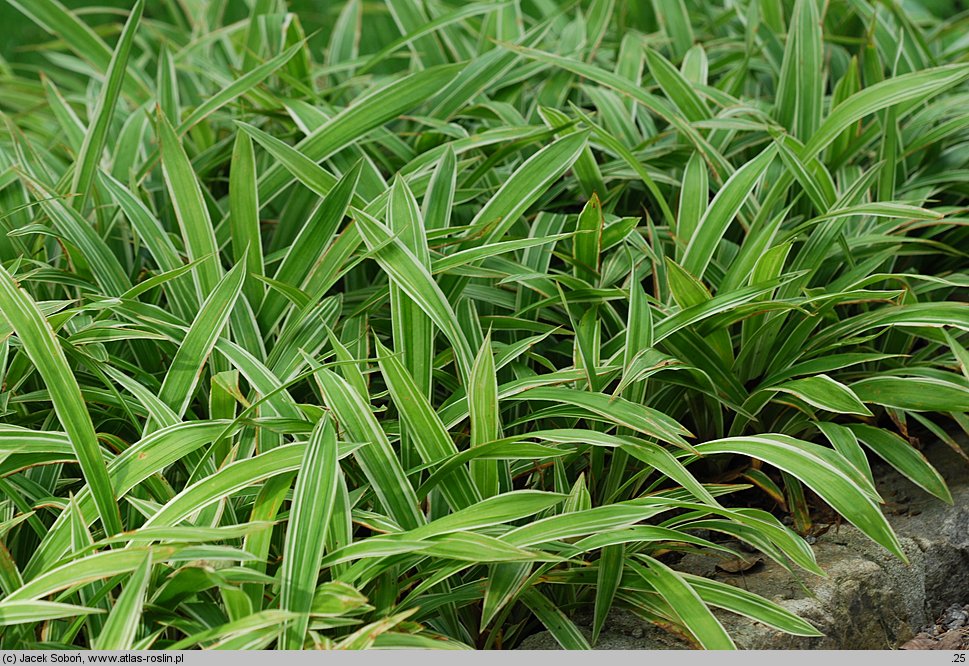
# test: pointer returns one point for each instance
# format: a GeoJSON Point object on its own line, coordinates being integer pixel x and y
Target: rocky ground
{"type": "Point", "coordinates": [949, 632]}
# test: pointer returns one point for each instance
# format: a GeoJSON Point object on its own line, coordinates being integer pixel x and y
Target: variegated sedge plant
{"type": "Point", "coordinates": [437, 333]}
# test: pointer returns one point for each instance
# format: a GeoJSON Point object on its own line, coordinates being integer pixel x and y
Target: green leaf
{"type": "Point", "coordinates": [97, 135]}
{"type": "Point", "coordinates": [186, 368]}
{"type": "Point", "coordinates": [190, 209]}
{"type": "Point", "coordinates": [26, 612]}
{"type": "Point", "coordinates": [913, 87]}
{"type": "Point", "coordinates": [244, 217]}
{"type": "Point", "coordinates": [686, 603]}
{"type": "Point", "coordinates": [830, 476]}
{"type": "Point", "coordinates": [371, 110]}
{"type": "Point", "coordinates": [616, 410]}
{"type": "Point", "coordinates": [121, 627]}
{"type": "Point", "coordinates": [531, 180]}
{"type": "Point", "coordinates": [377, 458]}
{"type": "Point", "coordinates": [434, 444]}
{"type": "Point", "coordinates": [677, 89]}
{"type": "Point", "coordinates": [588, 240]}
{"type": "Point", "coordinates": [239, 86]}
{"type": "Point", "coordinates": [824, 393]}
{"type": "Point", "coordinates": [902, 456]}
{"type": "Point", "coordinates": [710, 230]}
{"type": "Point", "coordinates": [608, 577]}
{"type": "Point", "coordinates": [485, 418]}
{"type": "Point", "coordinates": [918, 394]}
{"type": "Point", "coordinates": [313, 497]}
{"type": "Point", "coordinates": [562, 629]}
{"type": "Point", "coordinates": [45, 352]}
{"type": "Point", "coordinates": [800, 90]}
{"type": "Point", "coordinates": [739, 600]}
{"type": "Point", "coordinates": [414, 279]}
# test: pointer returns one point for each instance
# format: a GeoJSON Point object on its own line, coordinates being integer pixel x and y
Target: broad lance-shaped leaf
{"type": "Point", "coordinates": [800, 90]}
{"type": "Point", "coordinates": [526, 185]}
{"type": "Point", "coordinates": [694, 195]}
{"type": "Point", "coordinates": [239, 86]}
{"type": "Point", "coordinates": [502, 587]}
{"type": "Point", "coordinates": [738, 600]}
{"type": "Point", "coordinates": [85, 168]}
{"type": "Point", "coordinates": [675, 21]}
{"type": "Point", "coordinates": [650, 453]}
{"type": "Point", "coordinates": [505, 508]}
{"type": "Point", "coordinates": [138, 462]}
{"type": "Point", "coordinates": [918, 394]}
{"type": "Point", "coordinates": [580, 523]}
{"type": "Point", "coordinates": [816, 468]}
{"type": "Point", "coordinates": [555, 620]}
{"type": "Point", "coordinates": [677, 89]}
{"type": "Point", "coordinates": [156, 240]}
{"type": "Point", "coordinates": [412, 328]}
{"type": "Point", "coordinates": [186, 368]}
{"type": "Point", "coordinates": [623, 86]}
{"type": "Point", "coordinates": [310, 244]}
{"type": "Point", "coordinates": [825, 393]}
{"type": "Point", "coordinates": [228, 480]}
{"type": "Point", "coordinates": [916, 86]}
{"type": "Point", "coordinates": [686, 603]}
{"type": "Point", "coordinates": [45, 352]}
{"type": "Point", "coordinates": [439, 198]}
{"type": "Point", "coordinates": [904, 457]}
{"type": "Point", "coordinates": [91, 567]}
{"type": "Point", "coordinates": [419, 31]}
{"type": "Point", "coordinates": [309, 519]}
{"type": "Point", "coordinates": [588, 240]}
{"type": "Point", "coordinates": [409, 17]}
{"type": "Point", "coordinates": [608, 578]}
{"type": "Point", "coordinates": [616, 410]}
{"type": "Point", "coordinates": [302, 168]}
{"type": "Point", "coordinates": [105, 268]}
{"type": "Point", "coordinates": [722, 210]}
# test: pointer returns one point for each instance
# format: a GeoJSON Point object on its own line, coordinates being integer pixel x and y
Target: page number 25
{"type": "Point", "coordinates": [959, 658]}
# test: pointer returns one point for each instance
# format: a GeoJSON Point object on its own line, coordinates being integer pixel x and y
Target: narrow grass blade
{"type": "Point", "coordinates": [121, 627]}
{"type": "Point", "coordinates": [686, 603]}
{"type": "Point", "coordinates": [244, 217]}
{"type": "Point", "coordinates": [194, 222]}
{"type": "Point", "coordinates": [45, 352]}
{"type": "Point", "coordinates": [28, 612]}
{"type": "Point", "coordinates": [97, 134]}
{"type": "Point", "coordinates": [309, 520]}
{"type": "Point", "coordinates": [186, 369]}
{"type": "Point", "coordinates": [377, 458]}
{"type": "Point", "coordinates": [711, 228]}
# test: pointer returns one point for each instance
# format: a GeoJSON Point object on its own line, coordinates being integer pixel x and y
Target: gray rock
{"type": "Point", "coordinates": [955, 617]}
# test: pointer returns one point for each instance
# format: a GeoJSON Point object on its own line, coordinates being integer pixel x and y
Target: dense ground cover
{"type": "Point", "coordinates": [333, 341]}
